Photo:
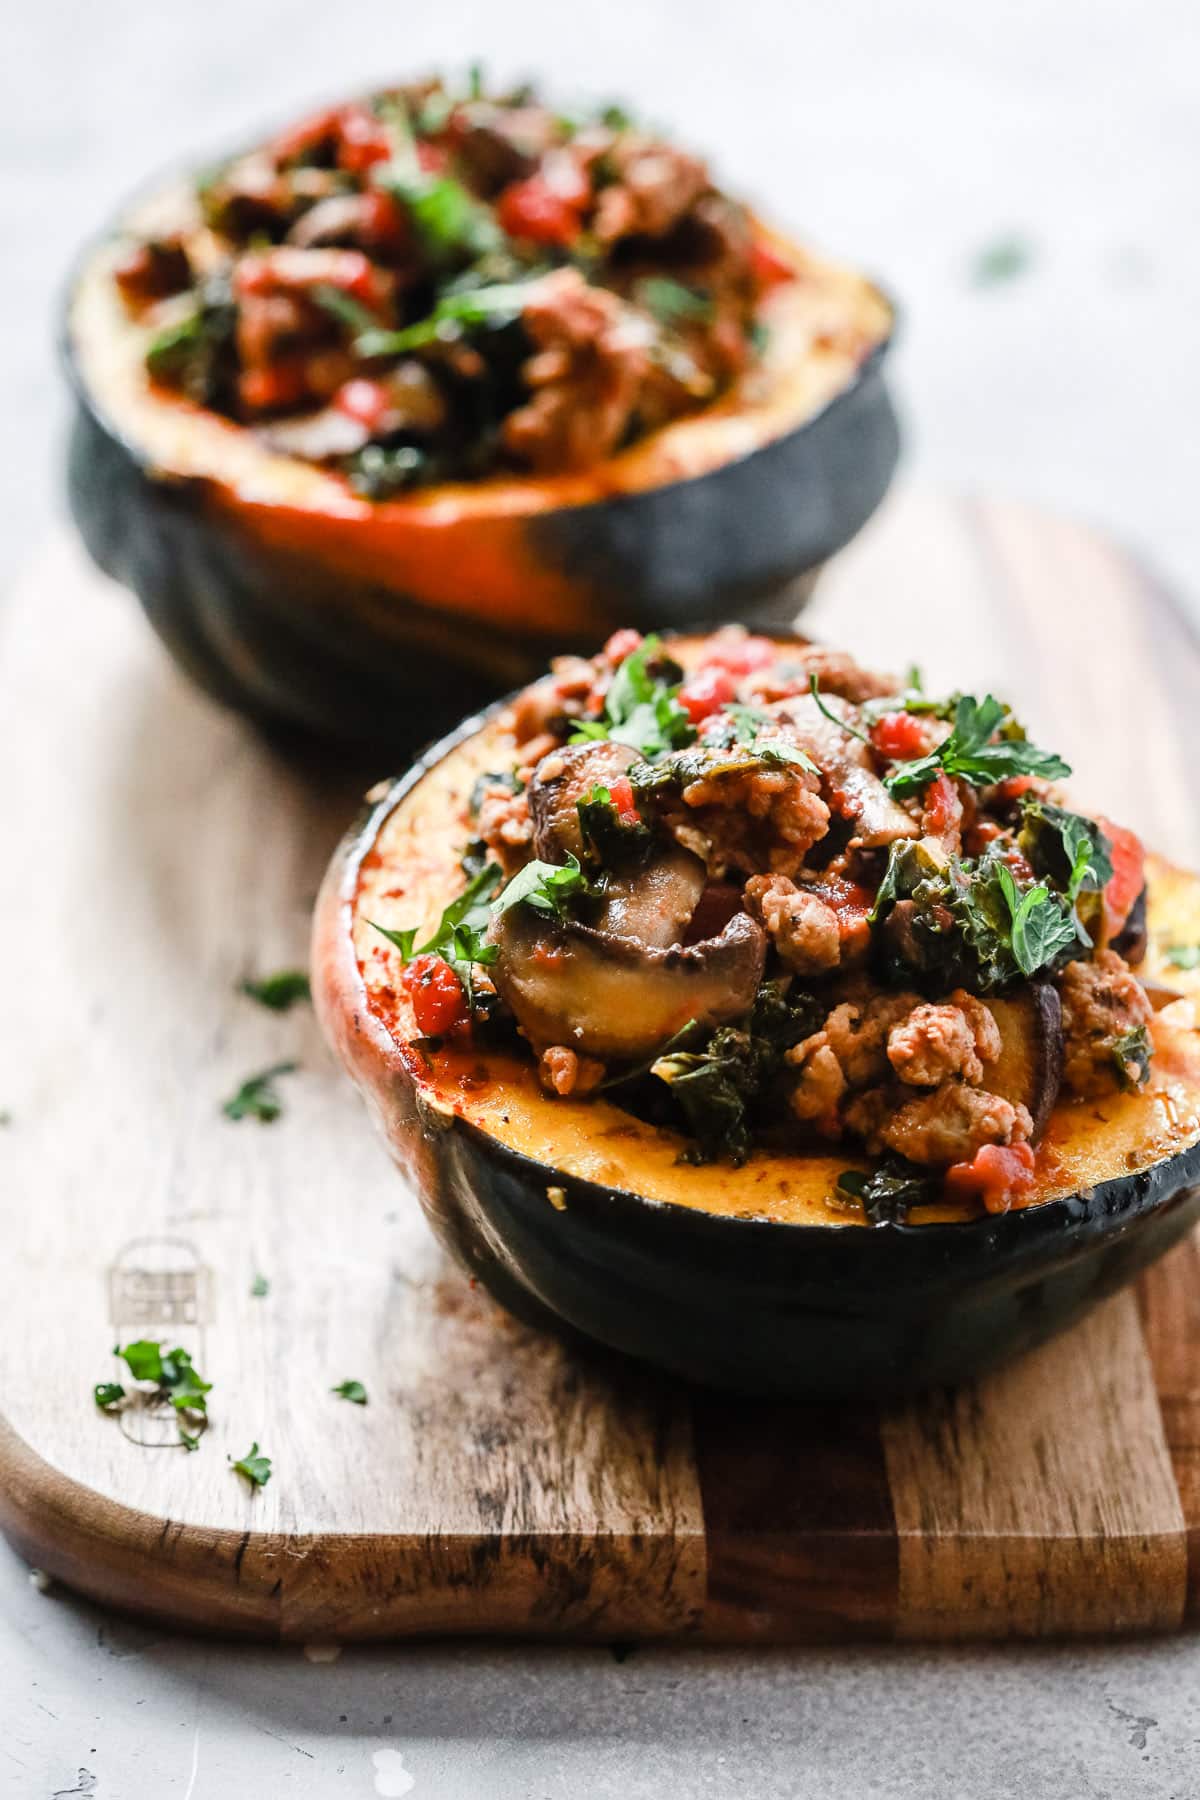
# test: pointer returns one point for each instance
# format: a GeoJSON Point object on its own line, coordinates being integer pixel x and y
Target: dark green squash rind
{"type": "Point", "coordinates": [749, 1304]}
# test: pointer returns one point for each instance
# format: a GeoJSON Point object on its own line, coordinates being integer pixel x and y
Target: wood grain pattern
{"type": "Point", "coordinates": [497, 1482]}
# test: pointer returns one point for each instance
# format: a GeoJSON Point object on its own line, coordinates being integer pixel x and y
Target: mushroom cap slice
{"type": "Point", "coordinates": [616, 997]}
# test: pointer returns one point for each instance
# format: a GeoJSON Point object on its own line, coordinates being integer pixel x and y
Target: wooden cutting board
{"type": "Point", "coordinates": [156, 853]}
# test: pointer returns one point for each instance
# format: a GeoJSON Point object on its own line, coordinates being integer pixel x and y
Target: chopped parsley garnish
{"type": "Point", "coordinates": [492, 306]}
{"type": "Point", "coordinates": [354, 1391]}
{"type": "Point", "coordinates": [814, 688]}
{"type": "Point", "coordinates": [1132, 1052]}
{"type": "Point", "coordinates": [345, 308]}
{"type": "Point", "coordinates": [254, 1466]}
{"type": "Point", "coordinates": [450, 223]}
{"type": "Point", "coordinates": [546, 887]}
{"type": "Point", "coordinates": [1041, 927]}
{"type": "Point", "coordinates": [889, 1190]}
{"type": "Point", "coordinates": [1184, 956]}
{"type": "Point", "coordinates": [461, 935]}
{"type": "Point", "coordinates": [280, 991]}
{"type": "Point", "coordinates": [672, 303]}
{"type": "Point", "coordinates": [640, 707]}
{"type": "Point", "coordinates": [751, 726]}
{"type": "Point", "coordinates": [969, 753]}
{"type": "Point", "coordinates": [257, 1098]}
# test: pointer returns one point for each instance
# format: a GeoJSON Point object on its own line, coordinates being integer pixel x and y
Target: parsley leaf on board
{"type": "Point", "coordinates": [108, 1394]}
{"type": "Point", "coordinates": [640, 709]}
{"type": "Point", "coordinates": [173, 1376]}
{"type": "Point", "coordinates": [260, 1287]}
{"type": "Point", "coordinates": [354, 1391]}
{"type": "Point", "coordinates": [280, 991]}
{"type": "Point", "coordinates": [256, 1098]}
{"type": "Point", "coordinates": [1183, 956]}
{"type": "Point", "coordinates": [546, 887]}
{"type": "Point", "coordinates": [969, 753]}
{"type": "Point", "coordinates": [254, 1466]}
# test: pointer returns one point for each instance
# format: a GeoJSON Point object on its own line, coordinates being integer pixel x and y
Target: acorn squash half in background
{"type": "Point", "coordinates": [289, 592]}
{"type": "Point", "coordinates": [578, 1215]}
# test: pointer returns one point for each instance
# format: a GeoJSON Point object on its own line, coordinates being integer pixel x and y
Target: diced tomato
{"type": "Point", "coordinates": [622, 798]}
{"type": "Point", "coordinates": [900, 736]}
{"type": "Point", "coordinates": [280, 384]}
{"type": "Point", "coordinates": [310, 134]}
{"type": "Point", "coordinates": [531, 209]}
{"type": "Point", "coordinates": [366, 401]}
{"type": "Point", "coordinates": [363, 140]}
{"type": "Point", "coordinates": [1128, 876]}
{"type": "Point", "coordinates": [383, 222]}
{"type": "Point", "coordinates": [998, 1175]}
{"type": "Point", "coordinates": [982, 833]}
{"type": "Point", "coordinates": [436, 993]}
{"type": "Point", "coordinates": [740, 655]}
{"type": "Point", "coordinates": [706, 692]}
{"type": "Point", "coordinates": [1014, 787]}
{"type": "Point", "coordinates": [769, 266]}
{"type": "Point", "coordinates": [621, 644]}
{"type": "Point", "coordinates": [942, 810]}
{"type": "Point", "coordinates": [850, 900]}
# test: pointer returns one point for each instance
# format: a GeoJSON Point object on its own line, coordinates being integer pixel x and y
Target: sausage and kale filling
{"type": "Point", "coordinates": [439, 282]}
{"type": "Point", "coordinates": [778, 899]}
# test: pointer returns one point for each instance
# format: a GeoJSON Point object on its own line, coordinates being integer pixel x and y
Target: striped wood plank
{"type": "Point", "coordinates": [496, 1483]}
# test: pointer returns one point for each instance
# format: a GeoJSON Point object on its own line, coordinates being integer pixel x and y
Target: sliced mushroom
{"type": "Point", "coordinates": [559, 782]}
{"type": "Point", "coordinates": [1029, 1068]}
{"type": "Point", "coordinates": [616, 997]}
{"type": "Point", "coordinates": [845, 764]}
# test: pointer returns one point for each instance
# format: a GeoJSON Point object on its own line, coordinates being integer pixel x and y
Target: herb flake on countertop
{"type": "Point", "coordinates": [354, 1391]}
{"type": "Point", "coordinates": [1183, 956]}
{"type": "Point", "coordinates": [1005, 259]}
{"type": "Point", "coordinates": [280, 991]}
{"type": "Point", "coordinates": [257, 1098]}
{"type": "Point", "coordinates": [260, 1287]}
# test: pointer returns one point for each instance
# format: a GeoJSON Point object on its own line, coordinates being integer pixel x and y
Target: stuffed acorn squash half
{"type": "Point", "coordinates": [378, 415]}
{"type": "Point", "coordinates": [774, 1021]}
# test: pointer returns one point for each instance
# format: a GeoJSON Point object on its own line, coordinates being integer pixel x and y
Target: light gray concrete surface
{"type": "Point", "coordinates": [907, 134]}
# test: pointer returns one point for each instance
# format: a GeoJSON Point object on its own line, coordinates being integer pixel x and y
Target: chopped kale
{"type": "Point", "coordinates": [672, 303]}
{"type": "Point", "coordinates": [612, 837]}
{"type": "Point", "coordinates": [890, 1189]}
{"type": "Point", "coordinates": [1133, 1052]}
{"type": "Point", "coordinates": [717, 1089]}
{"type": "Point", "coordinates": [968, 923]}
{"type": "Point", "coordinates": [472, 308]}
{"type": "Point", "coordinates": [195, 352]}
{"type": "Point", "coordinates": [1064, 847]}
